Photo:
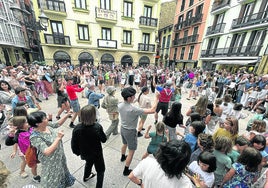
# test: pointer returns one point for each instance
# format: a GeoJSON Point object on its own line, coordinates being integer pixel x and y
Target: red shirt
{"type": "Point", "coordinates": [71, 91]}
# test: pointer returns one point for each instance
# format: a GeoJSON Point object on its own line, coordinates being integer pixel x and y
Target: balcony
{"type": "Point", "coordinates": [253, 19]}
{"type": "Point", "coordinates": [57, 39]}
{"type": "Point", "coordinates": [178, 27]}
{"type": "Point", "coordinates": [146, 47]}
{"type": "Point", "coordinates": [186, 40]}
{"type": "Point", "coordinates": [110, 44]}
{"type": "Point", "coordinates": [55, 7]}
{"type": "Point", "coordinates": [233, 51]}
{"type": "Point", "coordinates": [197, 19]}
{"type": "Point", "coordinates": [220, 6]}
{"type": "Point", "coordinates": [147, 21]}
{"type": "Point", "coordinates": [105, 15]}
{"type": "Point", "coordinates": [218, 28]}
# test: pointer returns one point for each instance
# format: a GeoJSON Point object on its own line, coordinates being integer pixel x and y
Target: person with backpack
{"type": "Point", "coordinates": [22, 140]}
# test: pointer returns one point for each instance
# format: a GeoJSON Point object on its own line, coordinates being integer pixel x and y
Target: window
{"type": "Point", "coordinates": [127, 9]}
{"type": "Point", "coordinates": [175, 54]}
{"type": "Point", "coordinates": [199, 10]}
{"type": "Point", "coordinates": [145, 38]}
{"type": "Point", "coordinates": [191, 2]}
{"type": "Point", "coordinates": [189, 14]}
{"type": "Point", "coordinates": [83, 32]}
{"type": "Point", "coordinates": [191, 52]}
{"type": "Point", "coordinates": [168, 41]}
{"type": "Point", "coordinates": [17, 55]}
{"type": "Point", "coordinates": [58, 33]}
{"type": "Point", "coordinates": [147, 11]}
{"type": "Point", "coordinates": [106, 33]}
{"type": "Point", "coordinates": [105, 4]}
{"type": "Point", "coordinates": [195, 31]}
{"type": "Point", "coordinates": [182, 5]}
{"type": "Point", "coordinates": [182, 52]}
{"type": "Point", "coordinates": [164, 42]}
{"type": "Point", "coordinates": [127, 37]}
{"type": "Point", "coordinates": [81, 4]}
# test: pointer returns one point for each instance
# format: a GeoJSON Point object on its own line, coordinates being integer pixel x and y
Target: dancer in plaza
{"type": "Point", "coordinates": [110, 103]}
{"type": "Point", "coordinates": [86, 142]}
{"type": "Point", "coordinates": [144, 102]}
{"type": "Point", "coordinates": [129, 115]}
{"type": "Point", "coordinates": [71, 91]}
{"type": "Point", "coordinates": [62, 97]}
{"type": "Point", "coordinates": [165, 94]}
{"type": "Point", "coordinates": [51, 155]}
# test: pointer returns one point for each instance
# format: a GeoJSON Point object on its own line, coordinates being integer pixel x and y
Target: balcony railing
{"type": "Point", "coordinates": [146, 47]}
{"type": "Point", "coordinates": [106, 14]}
{"type": "Point", "coordinates": [218, 28]}
{"type": "Point", "coordinates": [232, 51]}
{"type": "Point", "coordinates": [152, 22]}
{"type": "Point", "coordinates": [249, 20]}
{"type": "Point", "coordinates": [197, 19]}
{"type": "Point", "coordinates": [186, 40]}
{"type": "Point", "coordinates": [57, 39]}
{"type": "Point", "coordinates": [218, 4]}
{"type": "Point", "coordinates": [178, 27]}
{"type": "Point", "coordinates": [102, 43]}
{"type": "Point", "coordinates": [55, 5]}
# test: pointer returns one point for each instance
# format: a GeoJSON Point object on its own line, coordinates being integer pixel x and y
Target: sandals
{"type": "Point", "coordinates": [92, 175]}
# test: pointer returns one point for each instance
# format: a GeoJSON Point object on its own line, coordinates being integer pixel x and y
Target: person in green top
{"type": "Point", "coordinates": [240, 144]}
{"type": "Point", "coordinates": [157, 137]}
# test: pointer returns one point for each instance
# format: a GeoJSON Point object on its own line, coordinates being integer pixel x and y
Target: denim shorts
{"type": "Point", "coordinates": [75, 105]}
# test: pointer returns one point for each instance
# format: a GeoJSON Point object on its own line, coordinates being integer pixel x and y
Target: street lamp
{"type": "Point", "coordinates": [31, 24]}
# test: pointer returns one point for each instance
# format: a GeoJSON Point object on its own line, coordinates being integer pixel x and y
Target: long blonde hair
{"type": "Point", "coordinates": [201, 105]}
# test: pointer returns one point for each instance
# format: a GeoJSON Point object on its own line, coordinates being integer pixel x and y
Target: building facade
{"type": "Point", "coordinates": [189, 27]}
{"type": "Point", "coordinates": [100, 31]}
{"type": "Point", "coordinates": [236, 35]}
{"type": "Point", "coordinates": [14, 41]}
{"type": "Point", "coordinates": [165, 32]}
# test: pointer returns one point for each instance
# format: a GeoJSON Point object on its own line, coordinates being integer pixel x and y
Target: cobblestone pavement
{"type": "Point", "coordinates": [111, 149]}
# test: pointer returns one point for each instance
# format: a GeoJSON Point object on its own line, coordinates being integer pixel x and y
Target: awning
{"type": "Point", "coordinates": [235, 62]}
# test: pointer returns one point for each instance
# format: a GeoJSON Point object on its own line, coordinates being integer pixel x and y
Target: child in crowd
{"type": "Point", "coordinates": [211, 126]}
{"type": "Point", "coordinates": [172, 119]}
{"type": "Point", "coordinates": [237, 112]}
{"type": "Point", "coordinates": [223, 145]}
{"type": "Point", "coordinates": [195, 129]}
{"type": "Point", "coordinates": [240, 144]}
{"type": "Point", "coordinates": [144, 102]}
{"type": "Point", "coordinates": [230, 129]}
{"type": "Point", "coordinates": [22, 139]}
{"type": "Point", "coordinates": [226, 107]}
{"type": "Point", "coordinates": [259, 142]}
{"type": "Point", "coordinates": [252, 98]}
{"type": "Point", "coordinates": [205, 143]}
{"type": "Point", "coordinates": [245, 171]}
{"type": "Point", "coordinates": [259, 115]}
{"type": "Point", "coordinates": [156, 138]}
{"type": "Point", "coordinates": [204, 167]}
{"type": "Point", "coordinates": [258, 127]}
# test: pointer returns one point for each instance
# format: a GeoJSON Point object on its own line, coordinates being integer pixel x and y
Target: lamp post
{"type": "Point", "coordinates": [31, 24]}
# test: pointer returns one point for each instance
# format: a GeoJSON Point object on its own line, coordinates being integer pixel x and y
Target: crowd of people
{"type": "Point", "coordinates": [210, 152]}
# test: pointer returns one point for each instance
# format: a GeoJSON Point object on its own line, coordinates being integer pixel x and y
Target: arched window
{"type": "Point", "coordinates": [61, 57]}
{"type": "Point", "coordinates": [85, 57]}
{"type": "Point", "coordinates": [107, 59]}
{"type": "Point", "coordinates": [126, 60]}
{"type": "Point", "coordinates": [144, 61]}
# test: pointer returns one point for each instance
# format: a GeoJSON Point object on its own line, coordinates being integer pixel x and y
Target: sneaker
{"type": "Point", "coordinates": [127, 172]}
{"type": "Point", "coordinates": [155, 122]}
{"type": "Point", "coordinates": [57, 117]}
{"type": "Point", "coordinates": [187, 98]}
{"type": "Point", "coordinates": [143, 129]}
{"type": "Point", "coordinates": [140, 134]}
{"type": "Point", "coordinates": [92, 175]}
{"type": "Point", "coordinates": [38, 100]}
{"type": "Point", "coordinates": [123, 158]}
{"type": "Point", "coordinates": [23, 175]}
{"type": "Point", "coordinates": [37, 179]}
{"type": "Point", "coordinates": [72, 125]}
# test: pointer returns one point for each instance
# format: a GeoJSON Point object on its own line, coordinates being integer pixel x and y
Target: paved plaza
{"type": "Point", "coordinates": [111, 149]}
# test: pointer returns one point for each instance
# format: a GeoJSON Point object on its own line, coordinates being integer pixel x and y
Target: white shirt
{"type": "Point", "coordinates": [208, 178]}
{"type": "Point", "coordinates": [153, 176]}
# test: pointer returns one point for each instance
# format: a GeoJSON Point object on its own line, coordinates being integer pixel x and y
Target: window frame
{"type": "Point", "coordinates": [85, 30]}
{"type": "Point", "coordinates": [127, 37]}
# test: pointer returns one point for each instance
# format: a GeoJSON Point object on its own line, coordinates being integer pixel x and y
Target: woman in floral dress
{"type": "Point", "coordinates": [51, 155]}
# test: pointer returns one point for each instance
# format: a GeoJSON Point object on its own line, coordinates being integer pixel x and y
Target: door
{"type": "Point", "coordinates": [58, 33]}
{"type": "Point", "coordinates": [146, 41]}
